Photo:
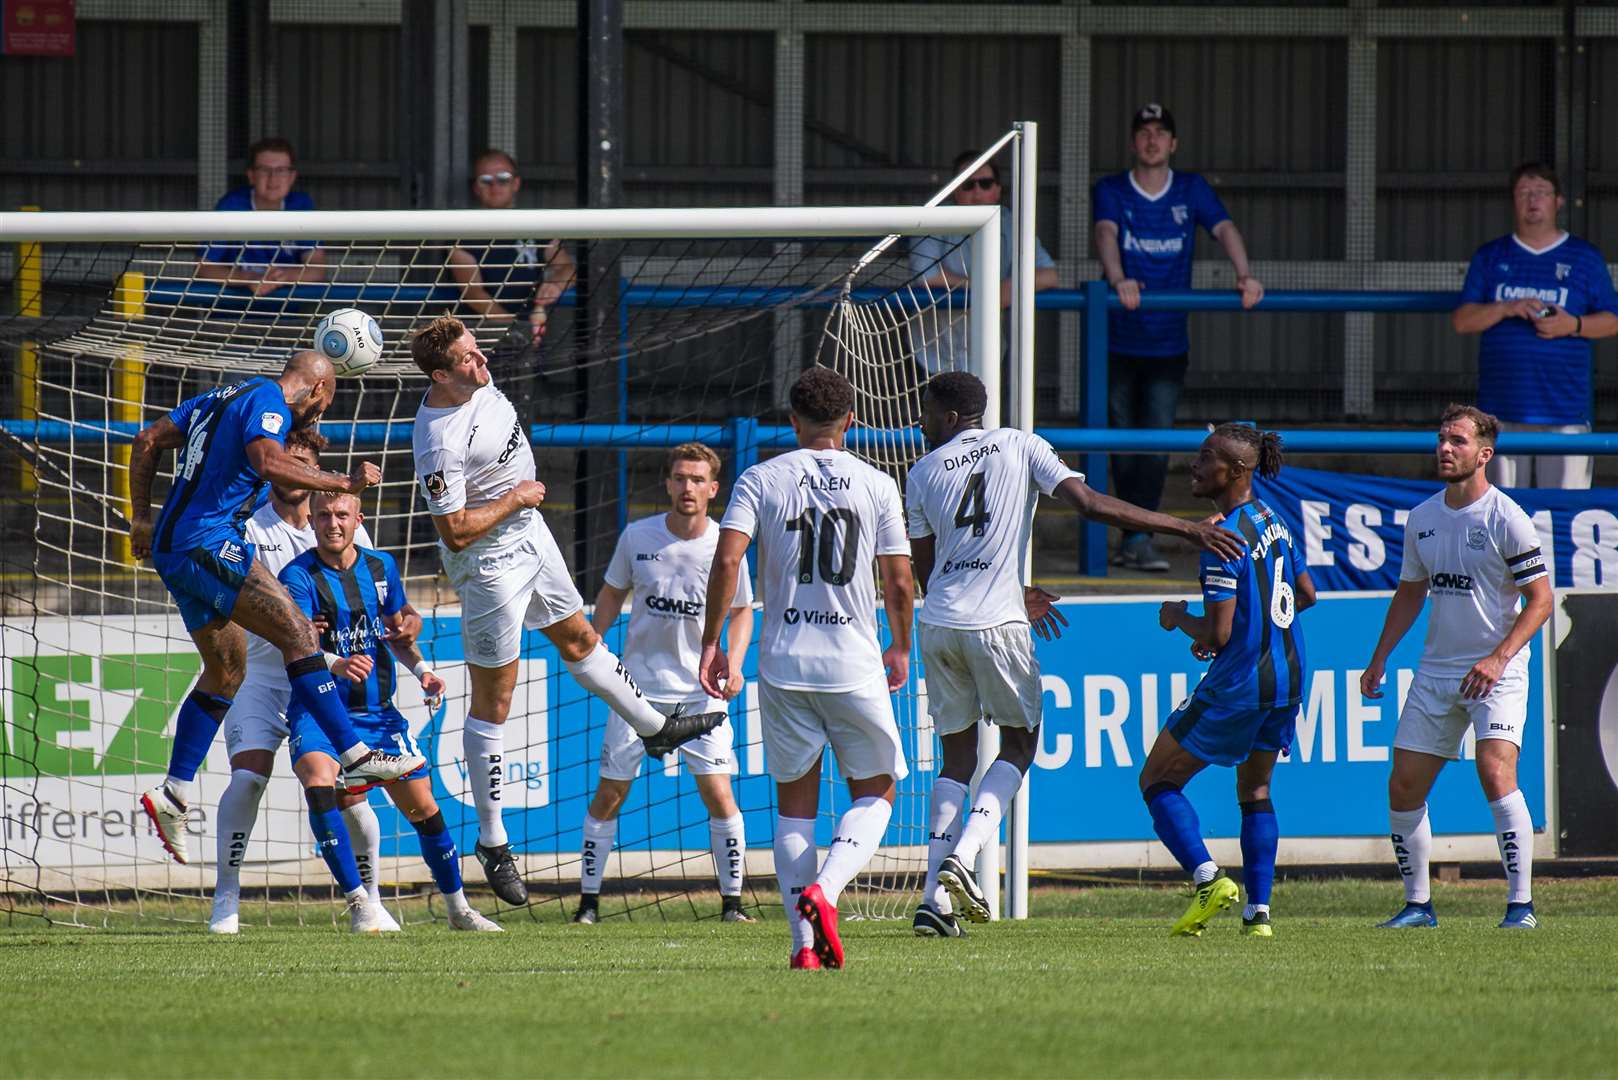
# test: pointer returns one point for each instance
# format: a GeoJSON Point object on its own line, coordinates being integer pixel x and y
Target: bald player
{"type": "Point", "coordinates": [232, 442]}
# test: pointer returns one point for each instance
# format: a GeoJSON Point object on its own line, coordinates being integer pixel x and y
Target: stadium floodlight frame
{"type": "Point", "coordinates": [978, 224]}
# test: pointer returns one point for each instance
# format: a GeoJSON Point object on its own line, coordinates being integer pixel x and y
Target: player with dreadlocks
{"type": "Point", "coordinates": [1244, 712]}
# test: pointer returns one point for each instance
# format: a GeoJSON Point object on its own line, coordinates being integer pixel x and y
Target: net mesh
{"type": "Point", "coordinates": [664, 339]}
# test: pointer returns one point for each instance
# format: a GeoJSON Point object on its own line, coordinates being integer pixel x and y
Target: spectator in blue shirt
{"type": "Point", "coordinates": [265, 265]}
{"type": "Point", "coordinates": [943, 263]}
{"type": "Point", "coordinates": [1537, 295]}
{"type": "Point", "coordinates": [509, 280]}
{"type": "Point", "coordinates": [1146, 228]}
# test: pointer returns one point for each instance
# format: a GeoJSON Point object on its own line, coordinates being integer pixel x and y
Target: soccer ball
{"type": "Point", "coordinates": [351, 340]}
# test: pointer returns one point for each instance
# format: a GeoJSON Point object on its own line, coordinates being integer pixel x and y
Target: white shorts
{"type": "Point", "coordinates": [1435, 717]}
{"type": "Point", "coordinates": [857, 723]}
{"type": "Point", "coordinates": [257, 719]}
{"type": "Point", "coordinates": [525, 586]}
{"type": "Point", "coordinates": [989, 673]}
{"type": "Point", "coordinates": [622, 751]}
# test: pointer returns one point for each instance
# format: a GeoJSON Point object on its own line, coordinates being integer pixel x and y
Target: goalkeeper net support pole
{"type": "Point", "coordinates": [719, 308]}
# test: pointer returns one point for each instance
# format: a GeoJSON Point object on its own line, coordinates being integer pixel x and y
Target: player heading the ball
{"type": "Point", "coordinates": [1475, 554]}
{"type": "Point", "coordinates": [233, 441]}
{"type": "Point", "coordinates": [821, 516]}
{"type": "Point", "coordinates": [971, 503]}
{"type": "Point", "coordinates": [357, 595]}
{"type": "Point", "coordinates": [476, 472]}
{"type": "Point", "coordinates": [1244, 712]}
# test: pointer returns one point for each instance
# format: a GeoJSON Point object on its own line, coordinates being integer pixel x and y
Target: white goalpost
{"type": "Point", "coordinates": [93, 662]}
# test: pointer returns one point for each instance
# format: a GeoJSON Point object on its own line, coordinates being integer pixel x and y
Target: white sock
{"type": "Point", "coordinates": [1205, 872]}
{"type": "Point", "coordinates": [1412, 835]}
{"type": "Point", "coordinates": [456, 901]}
{"type": "Point", "coordinates": [859, 834]}
{"type": "Point", "coordinates": [238, 812]}
{"type": "Point", "coordinates": [365, 836]}
{"type": "Point", "coordinates": [945, 810]}
{"type": "Point", "coordinates": [485, 747]}
{"type": "Point", "coordinates": [184, 790]}
{"type": "Point", "coordinates": [999, 786]}
{"type": "Point", "coordinates": [605, 676]}
{"type": "Point", "coordinates": [795, 870]}
{"type": "Point", "coordinates": [1253, 909]}
{"type": "Point", "coordinates": [1514, 833]}
{"type": "Point", "coordinates": [598, 838]}
{"type": "Point", "coordinates": [727, 837]}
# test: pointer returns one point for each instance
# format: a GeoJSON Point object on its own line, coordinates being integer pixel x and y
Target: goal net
{"type": "Point", "coordinates": [673, 326]}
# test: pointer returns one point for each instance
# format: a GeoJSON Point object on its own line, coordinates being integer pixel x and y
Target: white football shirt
{"type": "Point", "coordinates": [820, 518]}
{"type": "Point", "coordinates": [277, 544]}
{"type": "Point", "coordinates": [1474, 560]}
{"type": "Point", "coordinates": [469, 455]}
{"type": "Point", "coordinates": [668, 577]}
{"type": "Point", "coordinates": [976, 495]}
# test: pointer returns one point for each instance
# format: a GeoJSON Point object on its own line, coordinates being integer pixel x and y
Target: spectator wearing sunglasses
{"type": "Point", "coordinates": [509, 279]}
{"type": "Point", "coordinates": [265, 265]}
{"type": "Point", "coordinates": [1146, 226]}
{"type": "Point", "coordinates": [944, 262]}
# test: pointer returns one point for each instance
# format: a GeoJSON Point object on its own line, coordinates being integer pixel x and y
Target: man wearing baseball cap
{"type": "Point", "coordinates": [1146, 226]}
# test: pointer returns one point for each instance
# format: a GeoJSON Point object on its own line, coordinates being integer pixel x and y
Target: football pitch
{"type": "Point", "coordinates": [1091, 986]}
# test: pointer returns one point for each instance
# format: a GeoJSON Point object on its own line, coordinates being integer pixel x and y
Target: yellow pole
{"type": "Point", "coordinates": [30, 304]}
{"type": "Point", "coordinates": [128, 397]}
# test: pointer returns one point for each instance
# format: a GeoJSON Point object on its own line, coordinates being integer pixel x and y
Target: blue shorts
{"type": "Point", "coordinates": [206, 580]}
{"type": "Point", "coordinates": [384, 730]}
{"type": "Point", "coordinates": [1226, 734]}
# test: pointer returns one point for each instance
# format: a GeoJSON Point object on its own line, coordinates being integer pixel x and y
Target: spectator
{"type": "Point", "coordinates": [1146, 227]}
{"type": "Point", "coordinates": [946, 261]}
{"type": "Point", "coordinates": [265, 265]}
{"type": "Point", "coordinates": [1534, 294]}
{"type": "Point", "coordinates": [506, 279]}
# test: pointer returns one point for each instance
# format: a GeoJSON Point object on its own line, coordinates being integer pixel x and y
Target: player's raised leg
{"type": "Point", "coordinates": [1169, 767]}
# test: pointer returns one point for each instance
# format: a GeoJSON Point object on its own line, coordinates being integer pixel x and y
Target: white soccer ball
{"type": "Point", "coordinates": [351, 340]}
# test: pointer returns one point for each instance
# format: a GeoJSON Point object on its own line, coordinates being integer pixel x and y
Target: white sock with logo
{"type": "Point", "coordinates": [999, 786]}
{"type": "Point", "coordinates": [946, 809]}
{"type": "Point", "coordinates": [238, 812]}
{"type": "Point", "coordinates": [1514, 834]}
{"type": "Point", "coordinates": [485, 747]}
{"type": "Point", "coordinates": [1412, 836]}
{"type": "Point", "coordinates": [794, 870]}
{"type": "Point", "coordinates": [365, 837]}
{"type": "Point", "coordinates": [859, 834]}
{"type": "Point", "coordinates": [593, 852]}
{"type": "Point", "coordinates": [727, 837]}
{"type": "Point", "coordinates": [605, 676]}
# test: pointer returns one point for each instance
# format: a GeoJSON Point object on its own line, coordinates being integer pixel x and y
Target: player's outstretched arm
{"type": "Point", "coordinates": [272, 462]}
{"type": "Point", "coordinates": [1406, 604]}
{"type": "Point", "coordinates": [1537, 604]}
{"type": "Point", "coordinates": [714, 667]}
{"type": "Point", "coordinates": [150, 442]}
{"type": "Point", "coordinates": [1115, 512]}
{"type": "Point", "coordinates": [899, 600]}
{"type": "Point", "coordinates": [462, 528]}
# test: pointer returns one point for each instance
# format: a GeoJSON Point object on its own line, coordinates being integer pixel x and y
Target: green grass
{"type": "Point", "coordinates": [1092, 986]}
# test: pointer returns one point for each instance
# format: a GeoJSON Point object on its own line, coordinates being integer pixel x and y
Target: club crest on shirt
{"type": "Point", "coordinates": [1181, 213]}
{"type": "Point", "coordinates": [435, 484]}
{"type": "Point", "coordinates": [1563, 270]}
{"type": "Point", "coordinates": [1476, 537]}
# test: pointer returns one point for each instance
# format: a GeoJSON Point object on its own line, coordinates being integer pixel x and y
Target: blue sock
{"type": "Point", "coordinates": [438, 852]}
{"type": "Point", "coordinates": [1260, 837]}
{"type": "Point", "coordinates": [194, 729]}
{"type": "Point", "coordinates": [331, 837]}
{"type": "Point", "coordinates": [1176, 823]}
{"type": "Point", "coordinates": [330, 712]}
